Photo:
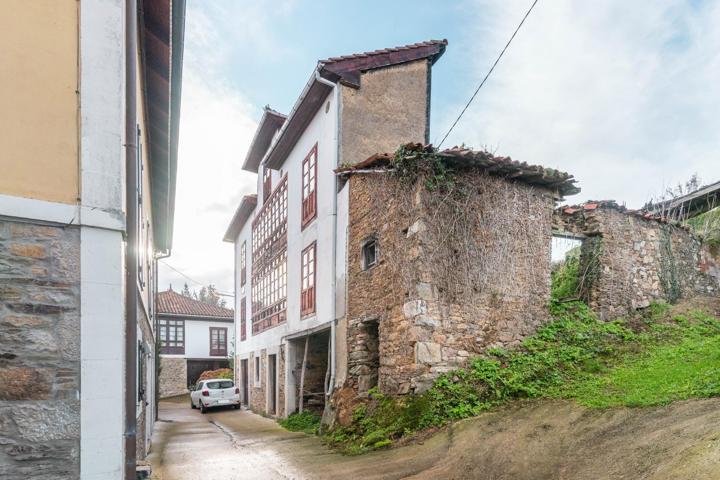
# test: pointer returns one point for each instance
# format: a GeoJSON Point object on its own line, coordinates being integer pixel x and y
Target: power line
{"type": "Point", "coordinates": [489, 72]}
{"type": "Point", "coordinates": [222, 294]}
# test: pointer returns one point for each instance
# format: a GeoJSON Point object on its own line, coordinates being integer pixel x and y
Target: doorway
{"type": "Point", "coordinates": [272, 384]}
{"type": "Point", "coordinates": [244, 380]}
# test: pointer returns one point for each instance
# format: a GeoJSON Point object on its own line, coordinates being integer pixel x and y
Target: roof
{"type": "Point", "coordinates": [161, 42]}
{"type": "Point", "coordinates": [270, 123]}
{"type": "Point", "coordinates": [347, 71]}
{"type": "Point", "coordinates": [170, 302]}
{"type": "Point", "coordinates": [687, 206]}
{"type": "Point", "coordinates": [591, 205]}
{"type": "Point", "coordinates": [457, 157]}
{"type": "Point", "coordinates": [242, 214]}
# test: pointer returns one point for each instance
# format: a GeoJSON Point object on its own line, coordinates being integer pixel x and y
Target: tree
{"type": "Point", "coordinates": [207, 294]}
{"type": "Point", "coordinates": [186, 292]}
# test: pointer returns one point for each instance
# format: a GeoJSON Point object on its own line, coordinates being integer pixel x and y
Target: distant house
{"type": "Point", "coordinates": [194, 336]}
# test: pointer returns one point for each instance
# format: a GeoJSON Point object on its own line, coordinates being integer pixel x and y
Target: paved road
{"type": "Point", "coordinates": [234, 444]}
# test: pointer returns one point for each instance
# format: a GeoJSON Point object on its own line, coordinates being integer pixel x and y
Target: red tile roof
{"type": "Point", "coordinates": [613, 205]}
{"type": "Point", "coordinates": [173, 303]}
{"type": "Point", "coordinates": [466, 158]}
{"type": "Point", "coordinates": [347, 68]}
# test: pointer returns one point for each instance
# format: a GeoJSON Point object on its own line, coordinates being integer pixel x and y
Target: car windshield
{"type": "Point", "coordinates": [217, 385]}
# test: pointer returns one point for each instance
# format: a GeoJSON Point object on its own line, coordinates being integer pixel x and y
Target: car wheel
{"type": "Point", "coordinates": [192, 404]}
{"type": "Point", "coordinates": [237, 406]}
{"type": "Point", "coordinates": [203, 409]}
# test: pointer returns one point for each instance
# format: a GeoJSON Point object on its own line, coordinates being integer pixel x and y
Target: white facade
{"type": "Point", "coordinates": [197, 338]}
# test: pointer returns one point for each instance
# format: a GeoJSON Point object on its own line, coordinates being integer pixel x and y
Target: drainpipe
{"type": "Point", "coordinates": [333, 324]}
{"type": "Point", "coordinates": [131, 212]}
{"type": "Point", "coordinates": [156, 324]}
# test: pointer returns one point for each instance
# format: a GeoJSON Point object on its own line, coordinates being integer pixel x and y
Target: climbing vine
{"type": "Point", "coordinates": [668, 266]}
{"type": "Point", "coordinates": [477, 233]}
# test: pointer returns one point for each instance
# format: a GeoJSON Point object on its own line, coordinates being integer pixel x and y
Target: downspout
{"type": "Point", "coordinates": [131, 212]}
{"type": "Point", "coordinates": [333, 324]}
{"type": "Point", "coordinates": [156, 323]}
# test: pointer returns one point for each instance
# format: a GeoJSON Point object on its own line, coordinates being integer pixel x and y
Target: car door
{"type": "Point", "coordinates": [195, 394]}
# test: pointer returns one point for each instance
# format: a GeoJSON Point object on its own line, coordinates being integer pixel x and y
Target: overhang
{"type": "Point", "coordinates": [270, 123]}
{"type": "Point", "coordinates": [242, 214]}
{"type": "Point", "coordinates": [162, 31]}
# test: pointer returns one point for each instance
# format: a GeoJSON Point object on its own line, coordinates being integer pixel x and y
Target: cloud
{"type": "Point", "coordinates": [621, 94]}
{"type": "Point", "coordinates": [216, 126]}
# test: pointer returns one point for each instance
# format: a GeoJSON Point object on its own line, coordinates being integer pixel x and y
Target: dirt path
{"type": "Point", "coordinates": [533, 441]}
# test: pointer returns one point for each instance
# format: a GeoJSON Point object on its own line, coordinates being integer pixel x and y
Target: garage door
{"type": "Point", "coordinates": [196, 367]}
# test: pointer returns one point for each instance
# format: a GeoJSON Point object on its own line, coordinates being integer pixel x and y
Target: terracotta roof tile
{"type": "Point", "coordinates": [171, 302]}
{"type": "Point", "coordinates": [347, 68]}
{"type": "Point", "coordinates": [467, 158]}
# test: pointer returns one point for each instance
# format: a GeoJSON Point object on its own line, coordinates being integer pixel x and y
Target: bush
{"type": "Point", "coordinates": [564, 276]}
{"type": "Point", "coordinates": [219, 373]}
{"type": "Point", "coordinates": [301, 422]}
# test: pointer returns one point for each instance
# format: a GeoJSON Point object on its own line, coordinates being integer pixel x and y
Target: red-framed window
{"type": "Point", "coordinates": [269, 262]}
{"type": "Point", "coordinates": [243, 320]}
{"type": "Point", "coordinates": [243, 263]}
{"type": "Point", "coordinates": [307, 293]}
{"type": "Point", "coordinates": [267, 183]}
{"type": "Point", "coordinates": [218, 341]}
{"type": "Point", "coordinates": [309, 187]}
{"type": "Point", "coordinates": [172, 336]}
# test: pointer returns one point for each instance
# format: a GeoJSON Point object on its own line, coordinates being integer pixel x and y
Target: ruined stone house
{"type": "Point", "coordinates": [446, 277]}
{"type": "Point", "coordinates": [629, 258]}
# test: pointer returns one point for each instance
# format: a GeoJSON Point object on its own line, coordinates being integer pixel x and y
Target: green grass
{"type": "Point", "coordinates": [306, 422]}
{"type": "Point", "coordinates": [565, 276]}
{"type": "Point", "coordinates": [658, 360]}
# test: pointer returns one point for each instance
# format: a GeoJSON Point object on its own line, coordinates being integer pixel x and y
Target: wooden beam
{"type": "Point", "coordinates": [302, 375]}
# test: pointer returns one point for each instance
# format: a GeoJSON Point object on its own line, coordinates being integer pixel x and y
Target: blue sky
{"type": "Point", "coordinates": [621, 94]}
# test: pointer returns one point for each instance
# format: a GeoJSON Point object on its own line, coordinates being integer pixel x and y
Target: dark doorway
{"type": "Point", "coordinates": [272, 384]}
{"type": "Point", "coordinates": [368, 377]}
{"type": "Point", "coordinates": [195, 368]}
{"type": "Point", "coordinates": [245, 380]}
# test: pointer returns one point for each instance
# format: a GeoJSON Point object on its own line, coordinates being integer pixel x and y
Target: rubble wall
{"type": "Point", "coordinates": [39, 351]}
{"type": "Point", "coordinates": [427, 323]}
{"type": "Point", "coordinates": [631, 261]}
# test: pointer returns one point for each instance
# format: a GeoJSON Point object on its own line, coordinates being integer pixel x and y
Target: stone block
{"type": "Point", "coordinates": [24, 383]}
{"type": "Point", "coordinates": [428, 352]}
{"type": "Point", "coordinates": [414, 307]}
{"type": "Point", "coordinates": [27, 250]}
{"type": "Point", "coordinates": [427, 321]}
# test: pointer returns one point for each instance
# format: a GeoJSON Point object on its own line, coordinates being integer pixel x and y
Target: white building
{"type": "Point", "coordinates": [290, 238]}
{"type": "Point", "coordinates": [194, 336]}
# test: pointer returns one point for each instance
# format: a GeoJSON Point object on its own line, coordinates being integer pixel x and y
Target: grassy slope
{"type": "Point", "coordinates": [655, 358]}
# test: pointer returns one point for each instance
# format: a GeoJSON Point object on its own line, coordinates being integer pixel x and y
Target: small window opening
{"type": "Point", "coordinates": [369, 253]}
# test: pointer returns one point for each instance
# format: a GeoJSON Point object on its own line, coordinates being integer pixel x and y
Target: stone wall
{"type": "Point", "coordinates": [173, 376]}
{"type": "Point", "coordinates": [631, 260]}
{"type": "Point", "coordinates": [281, 382]}
{"type": "Point", "coordinates": [390, 108]}
{"type": "Point", "coordinates": [258, 399]}
{"type": "Point", "coordinates": [39, 351]}
{"type": "Point", "coordinates": [438, 301]}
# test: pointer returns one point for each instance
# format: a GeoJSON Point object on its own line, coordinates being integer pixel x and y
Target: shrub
{"type": "Point", "coordinates": [301, 422]}
{"type": "Point", "coordinates": [219, 373]}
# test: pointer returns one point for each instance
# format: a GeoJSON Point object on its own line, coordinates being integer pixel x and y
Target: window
{"type": "Point", "coordinates": [172, 336]}
{"type": "Point", "coordinates": [243, 320]}
{"type": "Point", "coordinates": [369, 253]}
{"type": "Point", "coordinates": [220, 385]}
{"type": "Point", "coordinates": [257, 371]}
{"type": "Point", "coordinates": [269, 262]}
{"type": "Point", "coordinates": [309, 187]}
{"type": "Point", "coordinates": [218, 342]}
{"type": "Point", "coordinates": [267, 183]}
{"type": "Point", "coordinates": [307, 294]}
{"type": "Point", "coordinates": [243, 263]}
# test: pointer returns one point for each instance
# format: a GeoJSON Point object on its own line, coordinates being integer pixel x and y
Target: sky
{"type": "Point", "coordinates": [623, 95]}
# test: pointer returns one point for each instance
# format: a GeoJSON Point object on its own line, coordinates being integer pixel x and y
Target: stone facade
{"type": "Point", "coordinates": [258, 399]}
{"type": "Point", "coordinates": [173, 376]}
{"type": "Point", "coordinates": [427, 321]}
{"type": "Point", "coordinates": [39, 351]}
{"type": "Point", "coordinates": [631, 260]}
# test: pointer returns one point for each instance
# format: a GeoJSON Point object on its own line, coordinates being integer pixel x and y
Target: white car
{"type": "Point", "coordinates": [216, 392]}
